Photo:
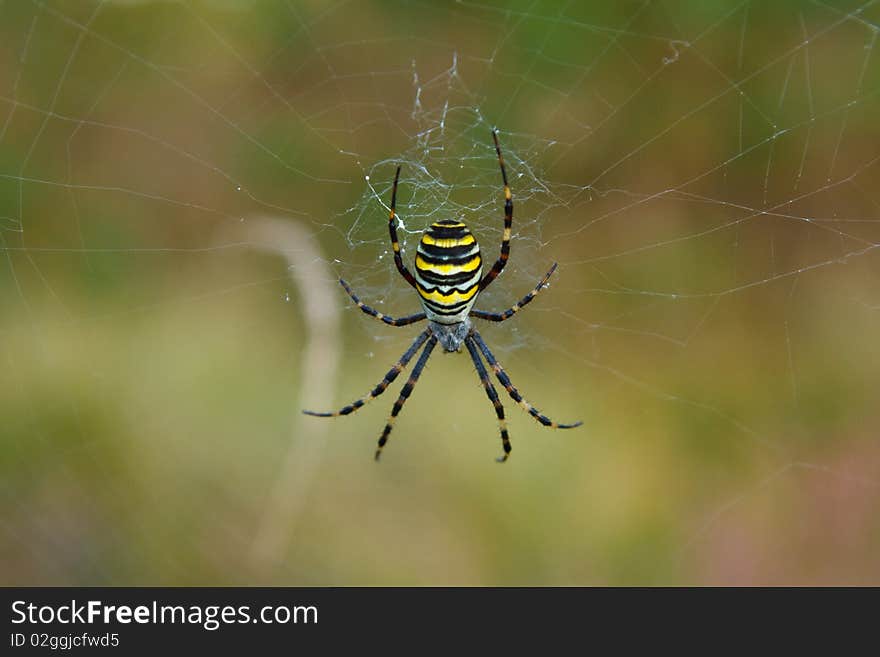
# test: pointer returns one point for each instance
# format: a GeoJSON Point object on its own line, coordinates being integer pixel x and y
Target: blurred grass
{"type": "Point", "coordinates": [150, 377]}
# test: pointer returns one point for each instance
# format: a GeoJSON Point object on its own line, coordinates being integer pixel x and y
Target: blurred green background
{"type": "Point", "coordinates": [182, 183]}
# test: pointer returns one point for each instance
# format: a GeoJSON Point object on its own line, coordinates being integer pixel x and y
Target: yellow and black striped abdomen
{"type": "Point", "coordinates": [448, 271]}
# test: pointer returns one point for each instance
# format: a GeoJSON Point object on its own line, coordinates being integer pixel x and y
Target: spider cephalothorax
{"type": "Point", "coordinates": [449, 277]}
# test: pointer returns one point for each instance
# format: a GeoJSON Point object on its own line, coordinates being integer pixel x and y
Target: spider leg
{"type": "Point", "coordinates": [510, 312]}
{"type": "Point", "coordinates": [392, 231]}
{"type": "Point", "coordinates": [405, 393]}
{"type": "Point", "coordinates": [508, 222]}
{"type": "Point", "coordinates": [513, 392]}
{"type": "Point", "coordinates": [493, 397]}
{"type": "Point", "coordinates": [391, 321]}
{"type": "Point", "coordinates": [383, 384]}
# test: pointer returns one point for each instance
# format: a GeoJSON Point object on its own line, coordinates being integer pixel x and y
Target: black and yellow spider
{"type": "Point", "coordinates": [449, 276]}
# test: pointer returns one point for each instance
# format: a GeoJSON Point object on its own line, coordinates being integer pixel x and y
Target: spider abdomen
{"type": "Point", "coordinates": [448, 271]}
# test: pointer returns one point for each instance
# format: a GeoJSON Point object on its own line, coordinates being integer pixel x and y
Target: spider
{"type": "Point", "coordinates": [448, 277]}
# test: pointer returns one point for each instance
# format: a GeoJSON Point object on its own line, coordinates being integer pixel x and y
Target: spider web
{"type": "Point", "coordinates": [705, 175]}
